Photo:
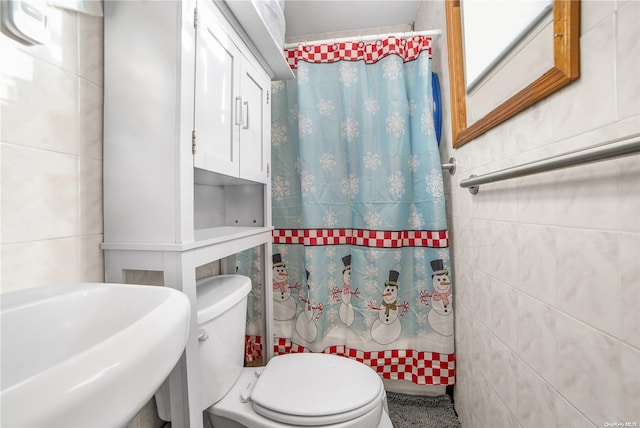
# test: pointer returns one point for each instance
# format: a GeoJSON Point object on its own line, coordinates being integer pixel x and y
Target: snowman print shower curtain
{"type": "Point", "coordinates": [360, 247]}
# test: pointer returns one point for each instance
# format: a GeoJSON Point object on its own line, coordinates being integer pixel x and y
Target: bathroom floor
{"type": "Point", "coordinates": [411, 411]}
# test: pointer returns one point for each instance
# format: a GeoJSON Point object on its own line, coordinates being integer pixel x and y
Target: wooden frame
{"type": "Point", "coordinates": [566, 56]}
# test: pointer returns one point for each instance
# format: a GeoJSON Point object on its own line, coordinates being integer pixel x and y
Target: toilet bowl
{"type": "Point", "coordinates": [314, 390]}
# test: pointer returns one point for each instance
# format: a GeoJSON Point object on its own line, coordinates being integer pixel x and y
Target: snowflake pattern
{"type": "Point", "coordinates": [371, 271]}
{"type": "Point", "coordinates": [331, 267]}
{"type": "Point", "coordinates": [420, 270]}
{"type": "Point", "coordinates": [277, 86]}
{"type": "Point", "coordinates": [416, 222]}
{"type": "Point", "coordinates": [392, 68]}
{"type": "Point", "coordinates": [434, 184]}
{"type": "Point", "coordinates": [350, 186]}
{"type": "Point", "coordinates": [427, 122]}
{"type": "Point", "coordinates": [371, 105]}
{"type": "Point", "coordinates": [423, 65]}
{"type": "Point", "coordinates": [413, 163]}
{"type": "Point", "coordinates": [350, 129]}
{"type": "Point", "coordinates": [348, 73]}
{"type": "Point", "coordinates": [329, 219]}
{"type": "Point", "coordinates": [303, 73]}
{"type": "Point", "coordinates": [305, 125]}
{"type": "Point", "coordinates": [278, 134]}
{"type": "Point", "coordinates": [294, 112]}
{"type": "Point", "coordinates": [325, 107]}
{"type": "Point", "coordinates": [411, 106]}
{"type": "Point", "coordinates": [372, 254]}
{"type": "Point", "coordinates": [308, 183]}
{"type": "Point", "coordinates": [395, 124]}
{"type": "Point", "coordinates": [283, 250]}
{"type": "Point", "coordinates": [372, 220]}
{"type": "Point", "coordinates": [280, 188]}
{"type": "Point", "coordinates": [396, 185]}
{"type": "Point", "coordinates": [327, 161]}
{"type": "Point", "coordinates": [443, 253]}
{"type": "Point", "coordinates": [371, 161]}
{"type": "Point", "coordinates": [331, 252]}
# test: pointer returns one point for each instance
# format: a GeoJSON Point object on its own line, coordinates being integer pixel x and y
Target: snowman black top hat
{"type": "Point", "coordinates": [347, 262]}
{"type": "Point", "coordinates": [277, 260]}
{"type": "Point", "coordinates": [393, 278]}
{"type": "Point", "coordinates": [437, 266]}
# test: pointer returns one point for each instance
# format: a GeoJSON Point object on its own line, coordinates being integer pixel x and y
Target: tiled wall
{"type": "Point", "coordinates": [547, 267]}
{"type": "Point", "coordinates": [51, 154]}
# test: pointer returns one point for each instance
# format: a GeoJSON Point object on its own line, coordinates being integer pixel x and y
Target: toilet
{"type": "Point", "coordinates": [305, 389]}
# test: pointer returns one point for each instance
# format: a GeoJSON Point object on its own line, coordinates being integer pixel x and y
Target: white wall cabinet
{"type": "Point", "coordinates": [167, 208]}
{"type": "Point", "coordinates": [232, 114]}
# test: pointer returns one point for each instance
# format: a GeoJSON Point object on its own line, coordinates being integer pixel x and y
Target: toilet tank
{"type": "Point", "coordinates": [222, 311]}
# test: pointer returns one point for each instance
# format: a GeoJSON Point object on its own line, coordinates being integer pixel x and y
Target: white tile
{"type": "Point", "coordinates": [628, 204]}
{"type": "Point", "coordinates": [590, 101]}
{"type": "Point", "coordinates": [628, 59]}
{"type": "Point", "coordinates": [588, 277]}
{"type": "Point", "coordinates": [39, 194]}
{"type": "Point", "coordinates": [480, 296]}
{"type": "Point", "coordinates": [504, 313]}
{"type": "Point", "coordinates": [505, 251]}
{"type": "Point", "coordinates": [60, 50]}
{"type": "Point", "coordinates": [39, 103]}
{"type": "Point", "coordinates": [91, 48]}
{"type": "Point", "coordinates": [567, 416]}
{"type": "Point", "coordinates": [630, 378]}
{"type": "Point", "coordinates": [90, 196]}
{"type": "Point", "coordinates": [536, 401]}
{"type": "Point", "coordinates": [462, 282]}
{"type": "Point", "coordinates": [537, 262]}
{"type": "Point", "coordinates": [37, 263]}
{"type": "Point", "coordinates": [587, 196]}
{"type": "Point", "coordinates": [592, 12]}
{"type": "Point", "coordinates": [501, 417]}
{"type": "Point", "coordinates": [91, 259]}
{"type": "Point", "coordinates": [481, 350]}
{"type": "Point", "coordinates": [463, 330]}
{"type": "Point", "coordinates": [90, 102]}
{"type": "Point", "coordinates": [504, 374]}
{"type": "Point", "coordinates": [536, 337]}
{"type": "Point", "coordinates": [464, 372]}
{"type": "Point", "coordinates": [462, 244]}
{"type": "Point", "coordinates": [480, 401]}
{"type": "Point", "coordinates": [629, 248]}
{"type": "Point", "coordinates": [588, 370]}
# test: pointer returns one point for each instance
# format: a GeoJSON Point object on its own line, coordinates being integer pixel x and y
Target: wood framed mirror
{"type": "Point", "coordinates": [566, 68]}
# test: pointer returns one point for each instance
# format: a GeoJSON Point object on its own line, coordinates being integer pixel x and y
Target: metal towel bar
{"type": "Point", "coordinates": [617, 148]}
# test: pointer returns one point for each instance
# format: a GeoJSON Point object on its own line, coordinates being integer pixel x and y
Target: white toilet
{"type": "Point", "coordinates": [314, 390]}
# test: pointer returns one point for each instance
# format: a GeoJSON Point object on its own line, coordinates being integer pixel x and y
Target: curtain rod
{"type": "Point", "coordinates": [367, 38]}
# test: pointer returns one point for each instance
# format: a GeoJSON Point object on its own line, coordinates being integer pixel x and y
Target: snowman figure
{"type": "Point", "coordinates": [346, 312]}
{"type": "Point", "coordinates": [306, 321]}
{"type": "Point", "coordinates": [387, 327]}
{"type": "Point", "coordinates": [440, 316]}
{"type": "Point", "coordinates": [284, 307]}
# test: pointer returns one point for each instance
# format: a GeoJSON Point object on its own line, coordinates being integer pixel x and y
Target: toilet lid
{"type": "Point", "coordinates": [316, 389]}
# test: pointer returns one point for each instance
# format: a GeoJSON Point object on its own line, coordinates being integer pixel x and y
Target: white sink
{"type": "Point", "coordinates": [79, 355]}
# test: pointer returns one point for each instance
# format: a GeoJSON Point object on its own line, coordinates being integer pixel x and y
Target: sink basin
{"type": "Point", "coordinates": [79, 355]}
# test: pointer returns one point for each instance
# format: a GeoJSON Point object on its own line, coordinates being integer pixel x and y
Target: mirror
{"type": "Point", "coordinates": [565, 69]}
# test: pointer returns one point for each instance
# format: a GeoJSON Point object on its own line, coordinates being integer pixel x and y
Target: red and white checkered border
{"type": "Point", "coordinates": [252, 348]}
{"type": "Point", "coordinates": [419, 367]}
{"type": "Point", "coordinates": [363, 238]}
{"type": "Point", "coordinates": [407, 49]}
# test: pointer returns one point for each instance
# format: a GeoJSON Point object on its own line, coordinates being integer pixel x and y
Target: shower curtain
{"type": "Point", "coordinates": [360, 248]}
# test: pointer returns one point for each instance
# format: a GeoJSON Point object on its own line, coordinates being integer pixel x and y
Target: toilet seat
{"type": "Point", "coordinates": [291, 386]}
{"type": "Point", "coordinates": [287, 392]}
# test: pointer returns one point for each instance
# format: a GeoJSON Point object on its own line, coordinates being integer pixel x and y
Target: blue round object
{"type": "Point", "coordinates": [437, 105]}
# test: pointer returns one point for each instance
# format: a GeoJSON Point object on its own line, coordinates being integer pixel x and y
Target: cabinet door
{"type": "Point", "coordinates": [255, 129]}
{"type": "Point", "coordinates": [217, 104]}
